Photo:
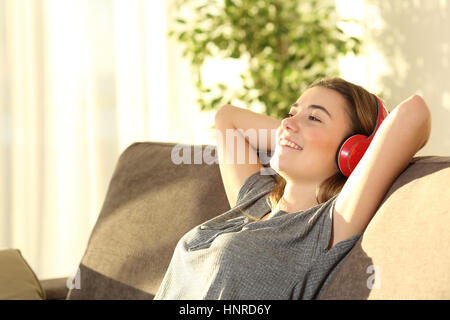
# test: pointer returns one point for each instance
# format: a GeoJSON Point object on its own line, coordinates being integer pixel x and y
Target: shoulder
{"type": "Point", "coordinates": [262, 181]}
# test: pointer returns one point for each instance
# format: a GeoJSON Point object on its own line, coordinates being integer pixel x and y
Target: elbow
{"type": "Point", "coordinates": [421, 106]}
{"type": "Point", "coordinates": [416, 114]}
{"type": "Point", "coordinates": [224, 117]}
{"type": "Point", "coordinates": [423, 115]}
{"type": "Point", "coordinates": [220, 113]}
{"type": "Point", "coordinates": [415, 109]}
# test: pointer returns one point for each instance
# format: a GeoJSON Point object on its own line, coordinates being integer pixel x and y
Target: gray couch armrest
{"type": "Point", "coordinates": [55, 289]}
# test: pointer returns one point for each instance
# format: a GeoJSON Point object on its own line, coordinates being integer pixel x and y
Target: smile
{"type": "Point", "coordinates": [289, 144]}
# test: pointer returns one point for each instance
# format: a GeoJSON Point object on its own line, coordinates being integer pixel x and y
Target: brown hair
{"type": "Point", "coordinates": [362, 111]}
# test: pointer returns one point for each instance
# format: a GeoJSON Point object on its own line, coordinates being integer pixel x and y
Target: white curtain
{"type": "Point", "coordinates": [80, 80]}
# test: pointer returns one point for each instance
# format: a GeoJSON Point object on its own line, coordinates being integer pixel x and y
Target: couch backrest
{"type": "Point", "coordinates": [150, 204]}
{"type": "Point", "coordinates": [404, 252]}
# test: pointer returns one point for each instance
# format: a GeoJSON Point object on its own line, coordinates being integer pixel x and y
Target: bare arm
{"type": "Point", "coordinates": [404, 132]}
{"type": "Point", "coordinates": [241, 132]}
{"type": "Point", "coordinates": [258, 129]}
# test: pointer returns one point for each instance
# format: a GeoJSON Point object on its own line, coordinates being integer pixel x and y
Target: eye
{"type": "Point", "coordinates": [312, 117]}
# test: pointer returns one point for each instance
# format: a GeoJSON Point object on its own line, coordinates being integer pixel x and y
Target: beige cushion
{"type": "Point", "coordinates": [17, 280]}
{"type": "Point", "coordinates": [404, 252]}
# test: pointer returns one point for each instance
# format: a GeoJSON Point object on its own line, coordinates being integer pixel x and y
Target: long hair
{"type": "Point", "coordinates": [361, 108]}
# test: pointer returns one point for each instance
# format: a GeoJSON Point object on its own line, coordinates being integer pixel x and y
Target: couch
{"type": "Point", "coordinates": [159, 191]}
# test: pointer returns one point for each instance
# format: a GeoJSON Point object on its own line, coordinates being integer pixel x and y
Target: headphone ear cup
{"type": "Point", "coordinates": [350, 152]}
{"type": "Point", "coordinates": [352, 149]}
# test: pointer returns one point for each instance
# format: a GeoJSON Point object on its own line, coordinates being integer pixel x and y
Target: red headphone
{"type": "Point", "coordinates": [352, 149]}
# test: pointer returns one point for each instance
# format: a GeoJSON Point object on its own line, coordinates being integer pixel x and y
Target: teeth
{"type": "Point", "coordinates": [290, 144]}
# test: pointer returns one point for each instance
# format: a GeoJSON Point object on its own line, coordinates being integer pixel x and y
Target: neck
{"type": "Point", "coordinates": [298, 197]}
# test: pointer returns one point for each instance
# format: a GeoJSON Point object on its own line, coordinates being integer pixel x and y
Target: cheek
{"type": "Point", "coordinates": [323, 149]}
{"type": "Point", "coordinates": [321, 142]}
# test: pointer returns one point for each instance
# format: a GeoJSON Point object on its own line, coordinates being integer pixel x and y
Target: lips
{"type": "Point", "coordinates": [284, 141]}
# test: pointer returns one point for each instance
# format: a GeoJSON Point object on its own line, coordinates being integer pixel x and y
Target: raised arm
{"type": "Point", "coordinates": [239, 133]}
{"type": "Point", "coordinates": [245, 121]}
{"type": "Point", "coordinates": [404, 132]}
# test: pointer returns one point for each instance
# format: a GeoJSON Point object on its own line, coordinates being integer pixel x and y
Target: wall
{"type": "Point", "coordinates": [409, 52]}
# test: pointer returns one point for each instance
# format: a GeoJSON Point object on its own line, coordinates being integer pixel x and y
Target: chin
{"type": "Point", "coordinates": [280, 165]}
{"type": "Point", "coordinates": [290, 169]}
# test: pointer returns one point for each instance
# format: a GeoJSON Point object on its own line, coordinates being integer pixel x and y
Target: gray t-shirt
{"type": "Point", "coordinates": [234, 257]}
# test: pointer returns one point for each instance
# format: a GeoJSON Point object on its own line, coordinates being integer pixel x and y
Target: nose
{"type": "Point", "coordinates": [289, 123]}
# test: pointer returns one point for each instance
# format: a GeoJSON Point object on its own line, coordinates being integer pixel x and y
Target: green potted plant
{"type": "Point", "coordinates": [287, 44]}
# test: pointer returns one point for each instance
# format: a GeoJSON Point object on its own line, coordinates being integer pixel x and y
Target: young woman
{"type": "Point", "coordinates": [287, 232]}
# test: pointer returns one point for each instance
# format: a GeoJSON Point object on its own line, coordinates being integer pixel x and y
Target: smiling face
{"type": "Point", "coordinates": [318, 123]}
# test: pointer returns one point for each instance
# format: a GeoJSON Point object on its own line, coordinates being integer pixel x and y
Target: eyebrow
{"type": "Point", "coordinates": [314, 106]}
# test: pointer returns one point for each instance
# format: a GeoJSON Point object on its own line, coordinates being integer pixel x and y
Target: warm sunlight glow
{"type": "Point", "coordinates": [353, 69]}
{"type": "Point", "coordinates": [66, 71]}
{"type": "Point", "coordinates": [158, 90]}
{"type": "Point", "coordinates": [129, 75]}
